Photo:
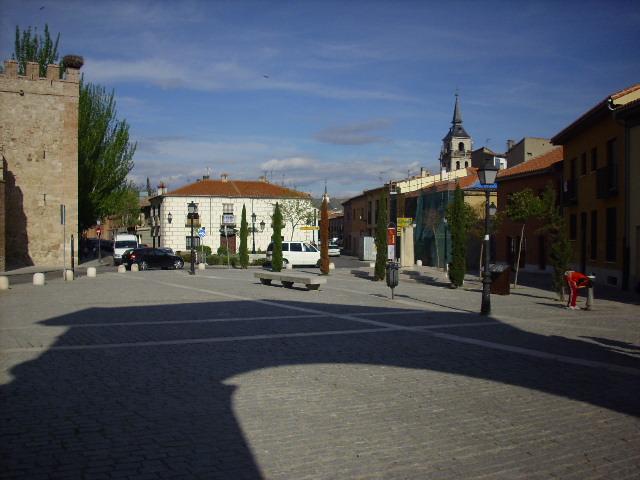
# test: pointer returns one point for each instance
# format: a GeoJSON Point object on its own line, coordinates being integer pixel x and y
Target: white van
{"type": "Point", "coordinates": [121, 243]}
{"type": "Point", "coordinates": [296, 253]}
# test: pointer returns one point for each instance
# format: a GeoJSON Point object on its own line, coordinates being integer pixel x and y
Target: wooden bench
{"type": "Point", "coordinates": [312, 282]}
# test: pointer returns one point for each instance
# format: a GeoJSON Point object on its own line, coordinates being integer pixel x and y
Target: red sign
{"type": "Point", "coordinates": [98, 231]}
{"type": "Point", "coordinates": [391, 236]}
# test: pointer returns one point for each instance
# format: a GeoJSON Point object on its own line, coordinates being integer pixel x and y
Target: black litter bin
{"type": "Point", "coordinates": [500, 279]}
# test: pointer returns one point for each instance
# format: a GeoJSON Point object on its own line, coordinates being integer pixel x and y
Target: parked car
{"type": "Point", "coordinates": [296, 253]}
{"type": "Point", "coordinates": [147, 258]}
{"type": "Point", "coordinates": [334, 250]}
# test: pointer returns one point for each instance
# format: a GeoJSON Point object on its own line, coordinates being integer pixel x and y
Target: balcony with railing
{"type": "Point", "coordinates": [607, 182]}
{"type": "Point", "coordinates": [570, 192]}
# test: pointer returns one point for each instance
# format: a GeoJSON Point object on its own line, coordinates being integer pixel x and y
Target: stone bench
{"type": "Point", "coordinates": [312, 282]}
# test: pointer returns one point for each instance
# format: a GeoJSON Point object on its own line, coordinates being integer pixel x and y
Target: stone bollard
{"type": "Point", "coordinates": [38, 279]}
{"type": "Point", "coordinates": [91, 272]}
{"type": "Point", "coordinates": [68, 275]}
{"type": "Point", "coordinates": [122, 269]}
{"type": "Point", "coordinates": [134, 267]}
{"type": "Point", "coordinates": [4, 283]}
{"type": "Point", "coordinates": [201, 266]}
{"type": "Point", "coordinates": [418, 263]}
{"type": "Point", "coordinates": [589, 304]}
{"type": "Point", "coordinates": [332, 266]}
{"type": "Point", "coordinates": [372, 264]}
{"type": "Point", "coordinates": [288, 266]}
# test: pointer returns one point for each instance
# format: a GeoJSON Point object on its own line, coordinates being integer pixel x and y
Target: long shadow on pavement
{"type": "Point", "coordinates": [83, 408]}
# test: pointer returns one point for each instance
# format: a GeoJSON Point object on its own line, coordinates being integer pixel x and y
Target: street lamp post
{"type": "Point", "coordinates": [487, 176]}
{"type": "Point", "coordinates": [99, 231]}
{"type": "Point", "coordinates": [446, 224]}
{"type": "Point", "coordinates": [253, 231]}
{"type": "Point", "coordinates": [192, 209]}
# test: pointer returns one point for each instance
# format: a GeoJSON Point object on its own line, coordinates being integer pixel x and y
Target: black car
{"type": "Point", "coordinates": [147, 258]}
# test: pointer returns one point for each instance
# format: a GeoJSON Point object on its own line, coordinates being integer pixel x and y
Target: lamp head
{"type": "Point", "coordinates": [487, 173]}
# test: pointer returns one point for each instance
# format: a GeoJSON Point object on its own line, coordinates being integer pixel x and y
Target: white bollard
{"type": "Point", "coordinates": [134, 267]}
{"type": "Point", "coordinates": [38, 279]}
{"type": "Point", "coordinates": [91, 272]}
{"type": "Point", "coordinates": [372, 264]}
{"type": "Point", "coordinates": [332, 266]}
{"type": "Point", "coordinates": [122, 269]}
{"type": "Point", "coordinates": [4, 283]}
{"type": "Point", "coordinates": [201, 266]}
{"type": "Point", "coordinates": [68, 275]}
{"type": "Point", "coordinates": [288, 266]}
{"type": "Point", "coordinates": [418, 263]}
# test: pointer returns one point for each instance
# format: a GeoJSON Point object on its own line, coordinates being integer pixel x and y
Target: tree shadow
{"type": "Point", "coordinates": [17, 240]}
{"type": "Point", "coordinates": [162, 404]}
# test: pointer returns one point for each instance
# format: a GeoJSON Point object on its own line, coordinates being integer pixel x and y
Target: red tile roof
{"type": "Point", "coordinates": [536, 164]}
{"type": "Point", "coordinates": [236, 188]}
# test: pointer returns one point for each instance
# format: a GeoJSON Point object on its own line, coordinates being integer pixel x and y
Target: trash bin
{"type": "Point", "coordinates": [500, 279]}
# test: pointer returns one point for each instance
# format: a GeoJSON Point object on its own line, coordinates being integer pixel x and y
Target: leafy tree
{"type": "Point", "coordinates": [296, 212]}
{"type": "Point", "coordinates": [276, 257]}
{"type": "Point", "coordinates": [324, 235]}
{"type": "Point", "coordinates": [105, 155]}
{"type": "Point", "coordinates": [381, 240]}
{"type": "Point", "coordinates": [125, 207]}
{"type": "Point", "coordinates": [523, 206]}
{"type": "Point", "coordinates": [244, 231]}
{"type": "Point", "coordinates": [29, 47]}
{"type": "Point", "coordinates": [561, 253]}
{"type": "Point", "coordinates": [461, 217]}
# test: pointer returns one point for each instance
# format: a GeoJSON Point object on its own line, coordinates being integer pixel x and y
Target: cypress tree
{"type": "Point", "coordinates": [324, 236]}
{"type": "Point", "coordinates": [381, 240]}
{"type": "Point", "coordinates": [276, 258]}
{"type": "Point", "coordinates": [244, 231]}
{"type": "Point", "coordinates": [458, 223]}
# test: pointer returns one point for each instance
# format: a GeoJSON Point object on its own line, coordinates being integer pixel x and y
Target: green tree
{"type": "Point", "coordinates": [31, 47]}
{"type": "Point", "coordinates": [276, 257]}
{"type": "Point", "coordinates": [381, 240]}
{"type": "Point", "coordinates": [523, 206]}
{"type": "Point", "coordinates": [324, 235]}
{"type": "Point", "coordinates": [125, 208]}
{"type": "Point", "coordinates": [105, 155]}
{"type": "Point", "coordinates": [461, 217]}
{"type": "Point", "coordinates": [560, 253]}
{"type": "Point", "coordinates": [244, 232]}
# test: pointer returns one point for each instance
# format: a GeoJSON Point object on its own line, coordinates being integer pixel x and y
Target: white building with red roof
{"type": "Point", "coordinates": [219, 205]}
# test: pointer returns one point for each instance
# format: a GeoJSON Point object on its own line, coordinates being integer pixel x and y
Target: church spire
{"type": "Point", "coordinates": [457, 115]}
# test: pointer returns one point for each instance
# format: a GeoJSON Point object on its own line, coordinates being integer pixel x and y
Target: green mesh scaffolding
{"type": "Point", "coordinates": [432, 236]}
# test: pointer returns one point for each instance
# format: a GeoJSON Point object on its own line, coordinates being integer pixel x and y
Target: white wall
{"type": "Point", "coordinates": [174, 235]}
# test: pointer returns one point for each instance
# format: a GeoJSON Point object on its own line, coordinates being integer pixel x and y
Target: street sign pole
{"type": "Point", "coordinates": [63, 221]}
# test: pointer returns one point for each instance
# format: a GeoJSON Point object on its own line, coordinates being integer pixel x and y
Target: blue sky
{"type": "Point", "coordinates": [350, 92]}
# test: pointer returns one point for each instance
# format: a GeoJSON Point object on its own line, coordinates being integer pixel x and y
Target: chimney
{"type": "Point", "coordinates": [510, 144]}
{"type": "Point", "coordinates": [11, 68]}
{"type": "Point", "coordinates": [72, 65]}
{"type": "Point", "coordinates": [162, 188]}
{"type": "Point", "coordinates": [224, 177]}
{"type": "Point", "coordinates": [53, 72]}
{"type": "Point", "coordinates": [33, 70]}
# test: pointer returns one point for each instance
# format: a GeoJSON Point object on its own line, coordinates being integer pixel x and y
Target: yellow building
{"type": "Point", "coordinates": [598, 174]}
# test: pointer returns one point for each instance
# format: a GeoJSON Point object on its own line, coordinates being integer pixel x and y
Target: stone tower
{"type": "Point", "coordinates": [39, 153]}
{"type": "Point", "coordinates": [456, 145]}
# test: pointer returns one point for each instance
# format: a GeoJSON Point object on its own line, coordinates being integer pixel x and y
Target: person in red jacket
{"type": "Point", "coordinates": [575, 280]}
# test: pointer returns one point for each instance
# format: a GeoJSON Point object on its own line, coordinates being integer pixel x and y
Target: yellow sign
{"type": "Point", "coordinates": [404, 221]}
{"type": "Point", "coordinates": [308, 227]}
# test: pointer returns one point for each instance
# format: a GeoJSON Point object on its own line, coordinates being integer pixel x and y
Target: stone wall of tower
{"type": "Point", "coordinates": [39, 150]}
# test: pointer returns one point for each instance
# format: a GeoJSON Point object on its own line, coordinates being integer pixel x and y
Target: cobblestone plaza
{"type": "Point", "coordinates": [165, 375]}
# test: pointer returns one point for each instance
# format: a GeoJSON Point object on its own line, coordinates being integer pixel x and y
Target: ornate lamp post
{"type": "Point", "coordinates": [487, 176]}
{"type": "Point", "coordinates": [192, 208]}
{"type": "Point", "coordinates": [253, 231]}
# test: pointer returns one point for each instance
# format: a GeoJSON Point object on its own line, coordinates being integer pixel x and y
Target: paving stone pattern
{"type": "Point", "coordinates": [158, 375]}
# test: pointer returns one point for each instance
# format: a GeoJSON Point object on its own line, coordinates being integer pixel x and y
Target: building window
{"type": "Point", "coordinates": [196, 242]}
{"type": "Point", "coordinates": [611, 235]}
{"type": "Point", "coordinates": [594, 159]}
{"type": "Point", "coordinates": [461, 147]}
{"type": "Point", "coordinates": [377, 209]}
{"type": "Point", "coordinates": [612, 164]}
{"type": "Point", "coordinates": [457, 165]}
{"type": "Point", "coordinates": [583, 164]}
{"type": "Point", "coordinates": [594, 235]}
{"type": "Point", "coordinates": [572, 169]}
{"type": "Point", "coordinates": [466, 164]}
{"type": "Point", "coordinates": [227, 208]}
{"type": "Point", "coordinates": [573, 226]}
{"type": "Point", "coordinates": [369, 213]}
